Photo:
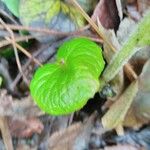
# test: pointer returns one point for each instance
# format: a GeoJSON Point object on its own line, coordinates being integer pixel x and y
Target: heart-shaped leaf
{"type": "Point", "coordinates": [65, 86]}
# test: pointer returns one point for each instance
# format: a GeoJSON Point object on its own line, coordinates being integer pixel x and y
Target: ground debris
{"type": "Point", "coordinates": [16, 108]}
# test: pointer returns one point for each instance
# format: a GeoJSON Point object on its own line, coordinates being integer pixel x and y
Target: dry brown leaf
{"type": "Point", "coordinates": [82, 141]}
{"type": "Point", "coordinates": [63, 140]}
{"type": "Point", "coordinates": [74, 137]}
{"type": "Point", "coordinates": [143, 5]}
{"type": "Point", "coordinates": [126, 27]}
{"type": "Point", "coordinates": [107, 13]}
{"type": "Point", "coordinates": [139, 113]}
{"type": "Point", "coordinates": [117, 112]}
{"type": "Point", "coordinates": [131, 120]}
{"type": "Point", "coordinates": [6, 136]}
{"type": "Point", "coordinates": [133, 11]}
{"type": "Point", "coordinates": [142, 106]}
{"type": "Point", "coordinates": [59, 123]}
{"type": "Point", "coordinates": [24, 147]}
{"type": "Point", "coordinates": [25, 127]}
{"type": "Point", "coordinates": [24, 107]}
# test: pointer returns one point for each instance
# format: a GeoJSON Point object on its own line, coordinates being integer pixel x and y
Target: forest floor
{"type": "Point", "coordinates": [27, 42]}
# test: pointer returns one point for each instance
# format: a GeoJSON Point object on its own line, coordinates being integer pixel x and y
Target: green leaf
{"type": "Point", "coordinates": [38, 10]}
{"type": "Point", "coordinates": [66, 85]}
{"type": "Point", "coordinates": [52, 14]}
{"type": "Point", "coordinates": [45, 11]}
{"type": "Point", "coordinates": [13, 6]}
{"type": "Point", "coordinates": [116, 114]}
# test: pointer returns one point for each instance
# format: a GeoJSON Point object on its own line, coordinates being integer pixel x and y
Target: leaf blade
{"type": "Point", "coordinates": [65, 86]}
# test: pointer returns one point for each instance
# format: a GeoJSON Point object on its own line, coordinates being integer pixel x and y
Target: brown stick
{"type": "Point", "coordinates": [26, 52]}
{"type": "Point", "coordinates": [6, 133]}
{"type": "Point", "coordinates": [17, 39]}
{"type": "Point", "coordinates": [45, 31]}
{"type": "Point", "coordinates": [15, 50]}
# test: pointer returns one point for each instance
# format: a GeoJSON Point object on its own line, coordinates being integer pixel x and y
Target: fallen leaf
{"type": "Point", "coordinates": [25, 128]}
{"type": "Point", "coordinates": [74, 137]}
{"type": "Point", "coordinates": [143, 55]}
{"type": "Point", "coordinates": [24, 147]}
{"type": "Point", "coordinates": [55, 14]}
{"type": "Point", "coordinates": [143, 5]}
{"type": "Point", "coordinates": [82, 141]}
{"type": "Point", "coordinates": [139, 112]}
{"type": "Point", "coordinates": [64, 139]}
{"type": "Point", "coordinates": [141, 107]}
{"type": "Point", "coordinates": [17, 108]}
{"type": "Point", "coordinates": [119, 109]}
{"type": "Point", "coordinates": [133, 11]}
{"type": "Point", "coordinates": [142, 102]}
{"type": "Point", "coordinates": [106, 11]}
{"type": "Point", "coordinates": [126, 27]}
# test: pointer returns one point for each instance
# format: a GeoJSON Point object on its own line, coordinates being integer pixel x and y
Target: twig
{"type": "Point", "coordinates": [15, 46]}
{"type": "Point", "coordinates": [46, 30]}
{"type": "Point", "coordinates": [128, 67]}
{"type": "Point", "coordinates": [29, 37]}
{"type": "Point", "coordinates": [14, 83]}
{"type": "Point", "coordinates": [26, 53]}
{"type": "Point", "coordinates": [6, 133]}
{"type": "Point", "coordinates": [95, 39]}
{"type": "Point", "coordinates": [130, 72]}
{"type": "Point", "coordinates": [18, 63]}
{"type": "Point", "coordinates": [92, 23]}
{"type": "Point", "coordinates": [25, 67]}
{"type": "Point", "coordinates": [17, 39]}
{"type": "Point", "coordinates": [15, 50]}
